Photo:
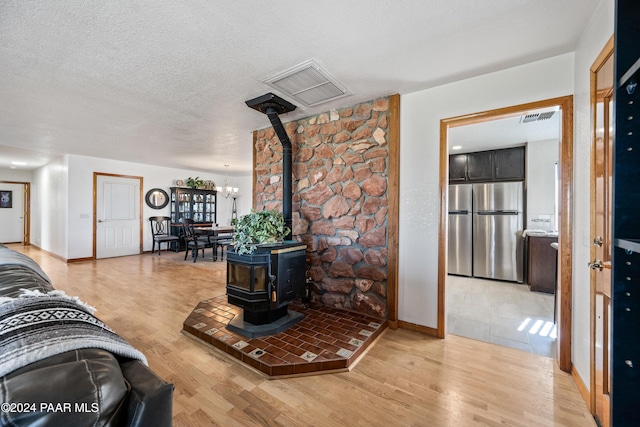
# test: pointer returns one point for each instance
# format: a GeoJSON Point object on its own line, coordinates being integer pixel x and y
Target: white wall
{"type": "Point", "coordinates": [62, 200]}
{"type": "Point", "coordinates": [420, 115]}
{"type": "Point", "coordinates": [15, 175]}
{"type": "Point", "coordinates": [591, 43]}
{"type": "Point", "coordinates": [49, 195]}
{"type": "Point", "coordinates": [542, 157]}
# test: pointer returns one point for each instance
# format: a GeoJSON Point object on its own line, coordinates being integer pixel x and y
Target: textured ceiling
{"type": "Point", "coordinates": [164, 82]}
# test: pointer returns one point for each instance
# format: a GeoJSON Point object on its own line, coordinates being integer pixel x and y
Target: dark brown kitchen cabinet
{"type": "Point", "coordinates": [458, 168]}
{"type": "Point", "coordinates": [509, 164]}
{"type": "Point", "coordinates": [506, 164]}
{"type": "Point", "coordinates": [480, 166]}
{"type": "Point", "coordinates": [542, 264]}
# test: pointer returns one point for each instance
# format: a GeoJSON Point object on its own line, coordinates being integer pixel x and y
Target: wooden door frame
{"type": "Point", "coordinates": [95, 203]}
{"type": "Point", "coordinates": [604, 55]}
{"type": "Point", "coordinates": [565, 229]}
{"type": "Point", "coordinates": [26, 200]}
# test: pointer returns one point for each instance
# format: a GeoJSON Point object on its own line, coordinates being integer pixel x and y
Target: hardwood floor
{"type": "Point", "coordinates": [405, 379]}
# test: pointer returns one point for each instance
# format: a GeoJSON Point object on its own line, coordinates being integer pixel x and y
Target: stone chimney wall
{"type": "Point", "coordinates": [340, 206]}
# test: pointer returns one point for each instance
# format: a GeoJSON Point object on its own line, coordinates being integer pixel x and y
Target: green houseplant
{"type": "Point", "coordinates": [257, 227]}
{"type": "Point", "coordinates": [195, 182]}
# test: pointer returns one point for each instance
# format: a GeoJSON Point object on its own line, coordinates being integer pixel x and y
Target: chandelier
{"type": "Point", "coordinates": [226, 190]}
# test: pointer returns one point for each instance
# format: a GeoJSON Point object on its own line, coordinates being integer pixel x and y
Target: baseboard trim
{"type": "Point", "coordinates": [56, 256]}
{"type": "Point", "coordinates": [582, 388]}
{"type": "Point", "coordinates": [63, 259]}
{"type": "Point", "coordinates": [72, 260]}
{"type": "Point", "coordinates": [418, 328]}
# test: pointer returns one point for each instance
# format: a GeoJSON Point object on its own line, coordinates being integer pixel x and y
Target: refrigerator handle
{"type": "Point", "coordinates": [497, 212]}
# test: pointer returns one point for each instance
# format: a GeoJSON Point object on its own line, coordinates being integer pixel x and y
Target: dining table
{"type": "Point", "coordinates": [219, 236]}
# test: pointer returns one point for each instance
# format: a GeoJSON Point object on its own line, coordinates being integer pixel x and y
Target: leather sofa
{"type": "Point", "coordinates": [81, 387]}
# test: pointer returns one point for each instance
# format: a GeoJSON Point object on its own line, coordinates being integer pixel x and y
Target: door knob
{"type": "Point", "coordinates": [596, 265]}
{"type": "Point", "coordinates": [597, 241]}
{"type": "Point", "coordinates": [100, 220]}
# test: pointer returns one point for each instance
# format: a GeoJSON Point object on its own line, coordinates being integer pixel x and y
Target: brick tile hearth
{"type": "Point", "coordinates": [326, 340]}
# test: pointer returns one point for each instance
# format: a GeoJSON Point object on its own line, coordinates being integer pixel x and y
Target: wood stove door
{"type": "Point", "coordinates": [290, 277]}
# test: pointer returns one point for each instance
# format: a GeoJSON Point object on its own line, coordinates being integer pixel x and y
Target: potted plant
{"type": "Point", "coordinates": [195, 182]}
{"type": "Point", "coordinates": [265, 226]}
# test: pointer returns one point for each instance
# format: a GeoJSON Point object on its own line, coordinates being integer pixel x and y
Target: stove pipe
{"type": "Point", "coordinates": [272, 105]}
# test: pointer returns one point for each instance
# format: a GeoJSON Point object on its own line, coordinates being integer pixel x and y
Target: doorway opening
{"type": "Point", "coordinates": [501, 223]}
{"type": "Point", "coordinates": [16, 215]}
{"type": "Point", "coordinates": [564, 202]}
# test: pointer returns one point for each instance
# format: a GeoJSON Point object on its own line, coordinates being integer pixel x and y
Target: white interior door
{"type": "Point", "coordinates": [117, 216]}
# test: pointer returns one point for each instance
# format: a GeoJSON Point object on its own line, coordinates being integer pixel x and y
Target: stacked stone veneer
{"type": "Point", "coordinates": [340, 205]}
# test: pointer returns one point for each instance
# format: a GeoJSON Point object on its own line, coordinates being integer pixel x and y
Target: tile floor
{"type": "Point", "coordinates": [502, 313]}
{"type": "Point", "coordinates": [326, 340]}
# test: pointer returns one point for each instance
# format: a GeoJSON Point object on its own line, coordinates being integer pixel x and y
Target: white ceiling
{"type": "Point", "coordinates": [164, 82]}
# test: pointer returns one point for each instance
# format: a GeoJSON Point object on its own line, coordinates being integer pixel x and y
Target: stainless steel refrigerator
{"type": "Point", "coordinates": [460, 226]}
{"type": "Point", "coordinates": [497, 231]}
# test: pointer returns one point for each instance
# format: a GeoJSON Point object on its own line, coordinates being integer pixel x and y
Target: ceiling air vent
{"type": "Point", "coordinates": [529, 118]}
{"type": "Point", "coordinates": [547, 115]}
{"type": "Point", "coordinates": [536, 117]}
{"type": "Point", "coordinates": [307, 83]}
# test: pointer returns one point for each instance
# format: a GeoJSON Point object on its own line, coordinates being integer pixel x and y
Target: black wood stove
{"type": "Point", "coordinates": [263, 284]}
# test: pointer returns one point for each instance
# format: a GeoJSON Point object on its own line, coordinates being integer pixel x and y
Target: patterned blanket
{"type": "Point", "coordinates": [36, 326]}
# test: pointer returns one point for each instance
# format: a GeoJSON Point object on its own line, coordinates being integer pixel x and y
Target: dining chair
{"type": "Point", "coordinates": [194, 241]}
{"type": "Point", "coordinates": [161, 233]}
{"type": "Point", "coordinates": [222, 241]}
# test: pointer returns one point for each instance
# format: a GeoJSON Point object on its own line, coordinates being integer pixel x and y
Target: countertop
{"type": "Point", "coordinates": [531, 232]}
